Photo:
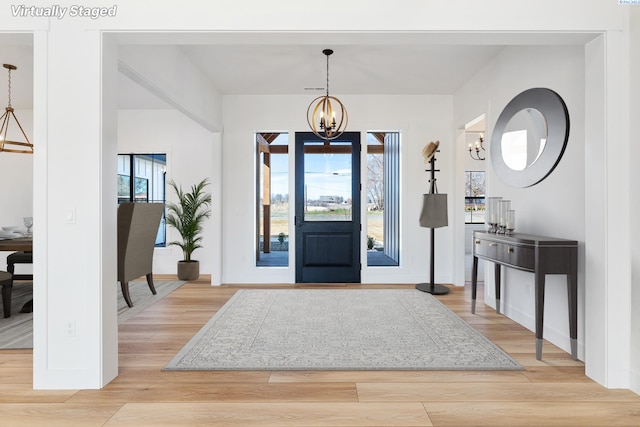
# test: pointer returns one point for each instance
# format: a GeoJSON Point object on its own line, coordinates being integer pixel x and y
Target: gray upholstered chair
{"type": "Point", "coordinates": [137, 229]}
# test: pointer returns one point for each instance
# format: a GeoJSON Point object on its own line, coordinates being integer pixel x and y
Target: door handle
{"type": "Point", "coordinates": [296, 221]}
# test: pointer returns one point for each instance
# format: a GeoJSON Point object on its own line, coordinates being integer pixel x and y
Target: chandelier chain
{"type": "Point", "coordinates": [327, 75]}
{"type": "Point", "coordinates": [9, 91]}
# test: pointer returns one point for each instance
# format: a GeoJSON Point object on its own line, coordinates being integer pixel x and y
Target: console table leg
{"type": "Point", "coordinates": [539, 290]}
{"type": "Point", "coordinates": [497, 282]}
{"type": "Point", "coordinates": [539, 348]}
{"type": "Point", "coordinates": [572, 286]}
{"type": "Point", "coordinates": [474, 284]}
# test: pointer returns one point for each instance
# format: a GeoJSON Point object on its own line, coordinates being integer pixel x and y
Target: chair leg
{"type": "Point", "coordinates": [150, 283]}
{"type": "Point", "coordinates": [27, 307]}
{"type": "Point", "coordinates": [6, 299]}
{"type": "Point", "coordinates": [125, 293]}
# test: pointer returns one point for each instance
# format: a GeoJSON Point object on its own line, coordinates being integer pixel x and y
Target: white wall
{"type": "Point", "coordinates": [634, 112]}
{"type": "Point", "coordinates": [555, 206]}
{"type": "Point", "coordinates": [189, 148]}
{"type": "Point", "coordinates": [139, 131]}
{"type": "Point", "coordinates": [420, 119]}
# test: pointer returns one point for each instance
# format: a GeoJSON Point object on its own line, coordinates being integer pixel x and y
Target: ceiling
{"type": "Point", "coordinates": [353, 70]}
{"type": "Point", "coordinates": [294, 63]}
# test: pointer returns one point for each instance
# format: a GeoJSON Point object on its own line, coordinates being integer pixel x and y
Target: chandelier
{"type": "Point", "coordinates": [6, 144]}
{"type": "Point", "coordinates": [479, 146]}
{"type": "Point", "coordinates": [326, 115]}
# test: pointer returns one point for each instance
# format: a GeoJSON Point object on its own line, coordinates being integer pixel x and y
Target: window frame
{"type": "Point", "coordinates": [387, 144]}
{"type": "Point", "coordinates": [271, 149]}
{"type": "Point", "coordinates": [469, 198]}
{"type": "Point", "coordinates": [131, 159]}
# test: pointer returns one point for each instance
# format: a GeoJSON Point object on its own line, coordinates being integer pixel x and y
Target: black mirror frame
{"type": "Point", "coordinates": [555, 112]}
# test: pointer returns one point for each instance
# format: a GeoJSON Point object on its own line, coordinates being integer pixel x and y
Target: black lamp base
{"type": "Point", "coordinates": [437, 289]}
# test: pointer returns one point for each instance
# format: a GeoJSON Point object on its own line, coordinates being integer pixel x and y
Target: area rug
{"type": "Point", "coordinates": [17, 331]}
{"type": "Point", "coordinates": [342, 329]}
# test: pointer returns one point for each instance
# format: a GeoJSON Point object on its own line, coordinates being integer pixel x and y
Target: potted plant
{"type": "Point", "coordinates": [370, 242]}
{"type": "Point", "coordinates": [187, 217]}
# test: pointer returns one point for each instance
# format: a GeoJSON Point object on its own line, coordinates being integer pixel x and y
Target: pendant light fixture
{"type": "Point", "coordinates": [6, 144]}
{"type": "Point", "coordinates": [326, 115]}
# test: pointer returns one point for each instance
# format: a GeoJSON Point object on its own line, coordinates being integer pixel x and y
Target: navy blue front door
{"type": "Point", "coordinates": [327, 209]}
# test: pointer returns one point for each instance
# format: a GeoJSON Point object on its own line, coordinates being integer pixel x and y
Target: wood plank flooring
{"type": "Point", "coordinates": [551, 392]}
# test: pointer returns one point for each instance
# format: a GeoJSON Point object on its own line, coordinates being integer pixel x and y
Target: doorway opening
{"type": "Point", "coordinates": [327, 212]}
{"type": "Point", "coordinates": [474, 190]}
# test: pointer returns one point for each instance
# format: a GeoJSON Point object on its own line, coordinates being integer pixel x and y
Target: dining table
{"type": "Point", "coordinates": [19, 244]}
{"type": "Point", "coordinates": [16, 244]}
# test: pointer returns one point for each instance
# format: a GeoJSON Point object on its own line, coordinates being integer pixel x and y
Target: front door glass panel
{"type": "Point", "coordinates": [327, 181]}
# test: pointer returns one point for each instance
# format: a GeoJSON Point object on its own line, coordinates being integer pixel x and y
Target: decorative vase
{"type": "Point", "coordinates": [188, 270]}
{"type": "Point", "coordinates": [503, 207]}
{"type": "Point", "coordinates": [492, 214]}
{"type": "Point", "coordinates": [511, 221]}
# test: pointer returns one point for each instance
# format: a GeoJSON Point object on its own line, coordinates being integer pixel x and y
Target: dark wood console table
{"type": "Point", "coordinates": [536, 254]}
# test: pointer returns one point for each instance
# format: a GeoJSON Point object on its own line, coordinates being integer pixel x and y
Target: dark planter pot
{"type": "Point", "coordinates": [188, 270]}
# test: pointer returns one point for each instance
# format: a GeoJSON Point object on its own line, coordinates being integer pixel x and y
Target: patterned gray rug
{"type": "Point", "coordinates": [343, 329]}
{"type": "Point", "coordinates": [17, 331]}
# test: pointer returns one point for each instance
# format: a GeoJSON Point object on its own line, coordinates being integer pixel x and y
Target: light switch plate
{"type": "Point", "coordinates": [70, 217]}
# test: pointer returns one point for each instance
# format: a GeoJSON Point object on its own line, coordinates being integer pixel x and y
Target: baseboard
{"type": "Point", "coordinates": [634, 381]}
{"type": "Point", "coordinates": [554, 336]}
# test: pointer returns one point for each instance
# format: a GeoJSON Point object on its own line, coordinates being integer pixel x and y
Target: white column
{"type": "Point", "coordinates": [607, 211]}
{"type": "Point", "coordinates": [75, 326]}
{"type": "Point", "coordinates": [634, 178]}
{"type": "Point", "coordinates": [217, 189]}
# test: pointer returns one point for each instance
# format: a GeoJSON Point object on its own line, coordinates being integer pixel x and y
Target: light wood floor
{"type": "Point", "coordinates": [551, 392]}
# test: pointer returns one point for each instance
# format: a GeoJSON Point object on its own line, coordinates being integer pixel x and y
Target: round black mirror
{"type": "Point", "coordinates": [529, 137]}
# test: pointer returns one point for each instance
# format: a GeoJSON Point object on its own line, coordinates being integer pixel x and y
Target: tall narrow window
{"type": "Point", "coordinates": [272, 199]}
{"type": "Point", "coordinates": [141, 178]}
{"type": "Point", "coordinates": [383, 198]}
{"type": "Point", "coordinates": [474, 197]}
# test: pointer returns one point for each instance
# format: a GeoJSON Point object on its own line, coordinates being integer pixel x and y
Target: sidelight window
{"type": "Point", "coordinates": [272, 199]}
{"type": "Point", "coordinates": [383, 198]}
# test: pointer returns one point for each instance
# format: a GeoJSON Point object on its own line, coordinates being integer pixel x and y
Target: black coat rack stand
{"type": "Point", "coordinates": [432, 287]}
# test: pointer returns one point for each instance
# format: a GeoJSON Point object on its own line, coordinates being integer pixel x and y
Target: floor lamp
{"type": "Point", "coordinates": [434, 215]}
